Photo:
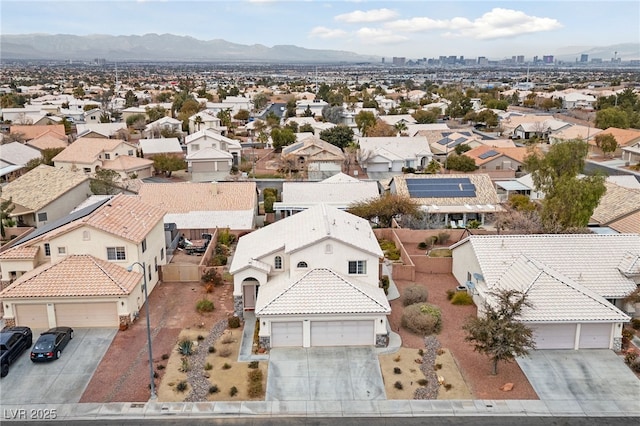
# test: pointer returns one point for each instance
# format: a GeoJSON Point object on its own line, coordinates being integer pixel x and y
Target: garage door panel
{"type": "Point", "coordinates": [32, 315]}
{"type": "Point", "coordinates": [555, 336]}
{"type": "Point", "coordinates": [595, 336]}
{"type": "Point", "coordinates": [342, 333]}
{"type": "Point", "coordinates": [284, 334]}
{"type": "Point", "coordinates": [87, 314]}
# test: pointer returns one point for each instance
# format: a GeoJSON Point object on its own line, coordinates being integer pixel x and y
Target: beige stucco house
{"type": "Point", "coordinates": [73, 271]}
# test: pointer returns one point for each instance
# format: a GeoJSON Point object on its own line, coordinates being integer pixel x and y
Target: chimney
{"type": "Point", "coordinates": [214, 188]}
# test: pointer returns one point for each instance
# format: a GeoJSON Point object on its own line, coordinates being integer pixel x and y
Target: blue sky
{"type": "Point", "coordinates": [415, 29]}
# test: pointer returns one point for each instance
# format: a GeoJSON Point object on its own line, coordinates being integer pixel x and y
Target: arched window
{"type": "Point", "coordinates": [302, 265]}
{"type": "Point", "coordinates": [278, 262]}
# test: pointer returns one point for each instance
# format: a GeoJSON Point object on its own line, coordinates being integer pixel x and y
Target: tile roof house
{"type": "Point", "coordinates": [383, 156]}
{"type": "Point", "coordinates": [90, 154]}
{"type": "Point", "coordinates": [575, 282]}
{"type": "Point", "coordinates": [313, 280]}
{"type": "Point", "coordinates": [624, 137]}
{"type": "Point", "coordinates": [73, 271]}
{"type": "Point", "coordinates": [35, 131]}
{"type": "Point", "coordinates": [619, 209]}
{"type": "Point", "coordinates": [338, 191]}
{"type": "Point", "coordinates": [319, 158]}
{"type": "Point", "coordinates": [206, 120]}
{"type": "Point", "coordinates": [48, 141]}
{"type": "Point", "coordinates": [489, 159]}
{"type": "Point", "coordinates": [100, 130]}
{"type": "Point", "coordinates": [45, 194]}
{"type": "Point", "coordinates": [451, 199]}
{"type": "Point", "coordinates": [210, 155]}
{"type": "Point", "coordinates": [167, 146]}
{"type": "Point", "coordinates": [18, 154]}
{"type": "Point", "coordinates": [232, 205]}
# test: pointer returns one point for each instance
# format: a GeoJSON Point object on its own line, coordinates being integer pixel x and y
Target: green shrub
{"type": "Point", "coordinates": [448, 386]}
{"type": "Point", "coordinates": [212, 349]}
{"type": "Point", "coordinates": [422, 318]}
{"type": "Point", "coordinates": [397, 370]}
{"type": "Point", "coordinates": [226, 366]}
{"type": "Point", "coordinates": [635, 323]}
{"type": "Point", "coordinates": [450, 294]}
{"type": "Point", "coordinates": [233, 322]}
{"type": "Point", "coordinates": [414, 294]}
{"type": "Point", "coordinates": [254, 364]}
{"type": "Point", "coordinates": [161, 367]}
{"type": "Point", "coordinates": [219, 260]}
{"type": "Point", "coordinates": [208, 366]}
{"type": "Point", "coordinates": [233, 391]}
{"type": "Point", "coordinates": [437, 366]}
{"type": "Point", "coordinates": [462, 298]}
{"type": "Point", "coordinates": [384, 283]}
{"type": "Point", "coordinates": [200, 337]}
{"type": "Point", "coordinates": [185, 366]}
{"type": "Point", "coordinates": [627, 334]}
{"type": "Point", "coordinates": [420, 352]}
{"type": "Point", "coordinates": [630, 356]}
{"type": "Point", "coordinates": [204, 305]}
{"type": "Point", "coordinates": [386, 244]}
{"type": "Point", "coordinates": [473, 224]}
{"type": "Point", "coordinates": [398, 385]}
{"type": "Point", "coordinates": [213, 389]}
{"type": "Point", "coordinates": [268, 204]}
{"type": "Point", "coordinates": [441, 252]}
{"type": "Point", "coordinates": [165, 357]}
{"type": "Point", "coordinates": [422, 245]}
{"type": "Point", "coordinates": [182, 386]}
{"type": "Point", "coordinates": [423, 382]}
{"type": "Point", "coordinates": [185, 347]}
{"type": "Point", "coordinates": [225, 237]}
{"type": "Point", "coordinates": [212, 276]}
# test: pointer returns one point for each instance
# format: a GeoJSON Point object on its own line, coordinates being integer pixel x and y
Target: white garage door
{"type": "Point", "coordinates": [286, 334]}
{"type": "Point", "coordinates": [595, 336]}
{"type": "Point", "coordinates": [87, 314]}
{"type": "Point", "coordinates": [555, 336]}
{"type": "Point", "coordinates": [342, 333]}
{"type": "Point", "coordinates": [34, 316]}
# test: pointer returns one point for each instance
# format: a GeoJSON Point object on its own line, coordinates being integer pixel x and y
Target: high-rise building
{"type": "Point", "coordinates": [399, 61]}
{"type": "Point", "coordinates": [547, 59]}
{"type": "Point", "coordinates": [482, 60]}
{"type": "Point", "coordinates": [383, 60]}
{"type": "Point", "coordinates": [520, 59]}
{"type": "Point", "coordinates": [584, 58]}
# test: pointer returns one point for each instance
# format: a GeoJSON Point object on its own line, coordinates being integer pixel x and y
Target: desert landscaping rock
{"type": "Point", "coordinates": [197, 378]}
{"type": "Point", "coordinates": [430, 391]}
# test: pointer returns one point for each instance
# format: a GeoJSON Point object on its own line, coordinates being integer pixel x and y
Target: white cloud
{"type": "Point", "coordinates": [498, 23]}
{"type": "Point", "coordinates": [324, 32]}
{"type": "Point", "coordinates": [379, 36]}
{"type": "Point", "coordinates": [374, 15]}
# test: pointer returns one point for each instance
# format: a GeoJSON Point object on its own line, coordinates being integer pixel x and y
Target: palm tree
{"type": "Point", "coordinates": [6, 207]}
{"type": "Point", "coordinates": [400, 126]}
{"type": "Point", "coordinates": [198, 121]}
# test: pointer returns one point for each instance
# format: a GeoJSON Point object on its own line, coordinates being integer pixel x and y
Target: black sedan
{"type": "Point", "coordinates": [51, 343]}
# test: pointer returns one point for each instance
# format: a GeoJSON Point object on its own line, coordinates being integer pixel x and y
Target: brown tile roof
{"type": "Point", "coordinates": [629, 224]}
{"type": "Point", "coordinates": [35, 131]}
{"type": "Point", "coordinates": [48, 141]}
{"type": "Point", "coordinates": [616, 202]}
{"type": "Point", "coordinates": [624, 137]}
{"type": "Point", "coordinates": [41, 186]}
{"type": "Point", "coordinates": [515, 153]}
{"type": "Point", "coordinates": [126, 216]}
{"type": "Point", "coordinates": [126, 163]}
{"type": "Point", "coordinates": [184, 197]}
{"type": "Point", "coordinates": [86, 150]}
{"type": "Point", "coordinates": [76, 275]}
{"type": "Point", "coordinates": [20, 252]}
{"type": "Point", "coordinates": [485, 191]}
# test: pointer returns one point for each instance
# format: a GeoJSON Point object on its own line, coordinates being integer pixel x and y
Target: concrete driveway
{"type": "Point", "coordinates": [589, 378]}
{"type": "Point", "coordinates": [324, 374]}
{"type": "Point", "coordinates": [60, 381]}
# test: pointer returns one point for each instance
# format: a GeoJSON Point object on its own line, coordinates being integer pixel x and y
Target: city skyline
{"type": "Point", "coordinates": [408, 29]}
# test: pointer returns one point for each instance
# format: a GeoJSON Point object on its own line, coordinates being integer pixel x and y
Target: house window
{"type": "Point", "coordinates": [86, 170]}
{"type": "Point", "coordinates": [86, 236]}
{"type": "Point", "coordinates": [358, 267]}
{"type": "Point", "coordinates": [42, 217]}
{"type": "Point", "coordinates": [278, 262]}
{"type": "Point", "coordinates": [116, 253]}
{"type": "Point", "coordinates": [302, 265]}
{"type": "Point", "coordinates": [155, 262]}
{"type": "Point", "coordinates": [144, 245]}
{"type": "Point", "coordinates": [62, 251]}
{"type": "Point", "coordinates": [328, 249]}
{"type": "Point", "coordinates": [195, 147]}
{"type": "Point", "coordinates": [149, 270]}
{"type": "Point", "coordinates": [47, 249]}
{"type": "Point", "coordinates": [162, 253]}
{"type": "Point", "coordinates": [130, 153]}
{"type": "Point", "coordinates": [107, 156]}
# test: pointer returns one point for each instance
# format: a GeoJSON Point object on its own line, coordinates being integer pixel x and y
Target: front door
{"type": "Point", "coordinates": [250, 294]}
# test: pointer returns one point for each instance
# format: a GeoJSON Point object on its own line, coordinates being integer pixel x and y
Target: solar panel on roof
{"type": "Point", "coordinates": [444, 141]}
{"type": "Point", "coordinates": [461, 139]}
{"type": "Point", "coordinates": [446, 133]}
{"type": "Point", "coordinates": [441, 188]}
{"type": "Point", "coordinates": [457, 142]}
{"type": "Point", "coordinates": [488, 154]}
{"type": "Point", "coordinates": [465, 133]}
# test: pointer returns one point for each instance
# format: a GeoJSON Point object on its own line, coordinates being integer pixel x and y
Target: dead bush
{"type": "Point", "coordinates": [227, 338]}
{"type": "Point", "coordinates": [422, 318]}
{"type": "Point", "coordinates": [414, 294]}
{"type": "Point", "coordinates": [225, 352]}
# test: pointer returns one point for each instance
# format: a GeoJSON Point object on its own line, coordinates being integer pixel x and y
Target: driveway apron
{"type": "Point", "coordinates": [324, 374]}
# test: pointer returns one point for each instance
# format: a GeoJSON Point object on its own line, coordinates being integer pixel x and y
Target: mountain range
{"type": "Point", "coordinates": [160, 47]}
{"type": "Point", "coordinates": [169, 47]}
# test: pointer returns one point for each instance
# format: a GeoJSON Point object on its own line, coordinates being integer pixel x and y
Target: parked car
{"type": "Point", "coordinates": [13, 342]}
{"type": "Point", "coordinates": [51, 343]}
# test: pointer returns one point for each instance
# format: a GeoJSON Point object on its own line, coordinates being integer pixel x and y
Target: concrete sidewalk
{"type": "Point", "coordinates": [311, 409]}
